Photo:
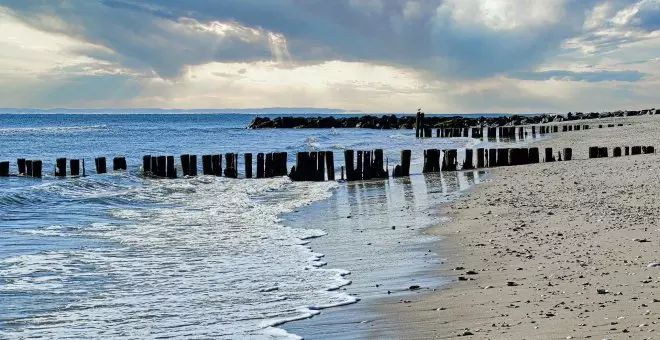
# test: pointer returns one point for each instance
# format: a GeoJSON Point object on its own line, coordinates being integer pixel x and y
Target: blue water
{"type": "Point", "coordinates": [121, 256]}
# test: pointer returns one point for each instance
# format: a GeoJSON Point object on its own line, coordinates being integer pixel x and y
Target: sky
{"type": "Point", "coordinates": [450, 56]}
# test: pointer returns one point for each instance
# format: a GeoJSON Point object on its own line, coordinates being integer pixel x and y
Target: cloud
{"type": "Point", "coordinates": [590, 76]}
{"type": "Point", "coordinates": [450, 38]}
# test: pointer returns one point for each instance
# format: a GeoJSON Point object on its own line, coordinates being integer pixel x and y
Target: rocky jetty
{"type": "Point", "coordinates": [433, 121]}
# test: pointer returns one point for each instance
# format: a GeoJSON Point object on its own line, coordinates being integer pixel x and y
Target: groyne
{"type": "Point", "coordinates": [389, 122]}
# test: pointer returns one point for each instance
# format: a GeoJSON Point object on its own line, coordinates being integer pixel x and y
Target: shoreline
{"type": "Point", "coordinates": [519, 241]}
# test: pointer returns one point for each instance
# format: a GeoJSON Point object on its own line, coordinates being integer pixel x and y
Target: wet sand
{"type": "Point", "coordinates": [548, 251]}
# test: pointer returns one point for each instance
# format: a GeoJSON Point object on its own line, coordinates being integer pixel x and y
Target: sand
{"type": "Point", "coordinates": [549, 251]}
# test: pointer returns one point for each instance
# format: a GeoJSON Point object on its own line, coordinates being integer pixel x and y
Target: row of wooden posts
{"type": "Point", "coordinates": [314, 166]}
{"type": "Point", "coordinates": [603, 152]}
{"type": "Point", "coordinates": [493, 132]}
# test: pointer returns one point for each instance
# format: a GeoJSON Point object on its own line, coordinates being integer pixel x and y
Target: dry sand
{"type": "Point", "coordinates": [550, 251]}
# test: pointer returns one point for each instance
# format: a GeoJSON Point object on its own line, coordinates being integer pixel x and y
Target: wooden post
{"type": "Point", "coordinates": [185, 165]}
{"type": "Point", "coordinates": [36, 169]}
{"type": "Point", "coordinates": [284, 161]}
{"type": "Point", "coordinates": [154, 165]}
{"type": "Point", "coordinates": [602, 152]}
{"type": "Point", "coordinates": [600, 126]}
{"type": "Point", "coordinates": [576, 128]}
{"type": "Point", "coordinates": [60, 167]}
{"type": "Point", "coordinates": [502, 157]}
{"type": "Point", "coordinates": [431, 161]}
{"type": "Point", "coordinates": [521, 132]}
{"type": "Point", "coordinates": [468, 162]}
{"type": "Point", "coordinates": [28, 168]}
{"type": "Point", "coordinates": [405, 162]}
{"type": "Point", "coordinates": [450, 160]}
{"type": "Point", "coordinates": [4, 169]}
{"type": "Point", "coordinates": [162, 166]}
{"type": "Point", "coordinates": [230, 169]}
{"type": "Point", "coordinates": [313, 166]}
{"type": "Point", "coordinates": [616, 152]}
{"type": "Point", "coordinates": [248, 165]}
{"type": "Point", "coordinates": [119, 164]}
{"type": "Point", "coordinates": [513, 156]}
{"type": "Point", "coordinates": [492, 158]}
{"type": "Point", "coordinates": [349, 163]}
{"type": "Point", "coordinates": [268, 170]}
{"type": "Point", "coordinates": [21, 166]}
{"type": "Point", "coordinates": [358, 170]}
{"type": "Point", "coordinates": [330, 165]}
{"type": "Point", "coordinates": [480, 158]}
{"type": "Point", "coordinates": [193, 166]}
{"type": "Point", "coordinates": [650, 149]}
{"type": "Point", "coordinates": [636, 150]}
{"type": "Point", "coordinates": [320, 174]}
{"type": "Point", "coordinates": [593, 152]}
{"type": "Point", "coordinates": [207, 165]}
{"type": "Point", "coordinates": [171, 169]}
{"type": "Point", "coordinates": [101, 166]}
{"type": "Point", "coordinates": [570, 128]}
{"type": "Point", "coordinates": [417, 124]}
{"type": "Point", "coordinates": [627, 151]}
{"type": "Point", "coordinates": [564, 128]}
{"type": "Point", "coordinates": [568, 154]}
{"type": "Point", "coordinates": [533, 155]}
{"type": "Point", "coordinates": [74, 165]}
{"type": "Point", "coordinates": [549, 157]}
{"type": "Point", "coordinates": [378, 165]}
{"type": "Point", "coordinates": [261, 173]}
{"type": "Point", "coordinates": [216, 163]}
{"type": "Point", "coordinates": [366, 165]}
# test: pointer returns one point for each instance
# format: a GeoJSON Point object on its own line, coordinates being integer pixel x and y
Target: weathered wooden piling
{"type": "Point", "coordinates": [466, 132]}
{"type": "Point", "coordinates": [650, 149]}
{"type": "Point", "coordinates": [162, 166]}
{"type": "Point", "coordinates": [349, 163]}
{"type": "Point", "coordinates": [21, 166]}
{"type": "Point", "coordinates": [231, 169]}
{"type": "Point", "coordinates": [431, 161]}
{"type": "Point", "coordinates": [60, 167]}
{"type": "Point", "coordinates": [28, 168]}
{"type": "Point", "coordinates": [216, 162]}
{"type": "Point", "coordinates": [534, 156]}
{"type": "Point", "coordinates": [568, 154]}
{"type": "Point", "coordinates": [248, 165]}
{"type": "Point", "coordinates": [119, 164]}
{"type": "Point", "coordinates": [261, 163]}
{"type": "Point", "coordinates": [4, 169]}
{"type": "Point", "coordinates": [154, 165]}
{"type": "Point", "coordinates": [450, 160]}
{"type": "Point", "coordinates": [570, 128]}
{"type": "Point", "coordinates": [502, 157]}
{"type": "Point", "coordinates": [636, 150]}
{"type": "Point", "coordinates": [193, 166]}
{"type": "Point", "coordinates": [555, 128]}
{"type": "Point", "coordinates": [602, 152]}
{"type": "Point", "coordinates": [74, 167]}
{"type": "Point", "coordinates": [593, 152]}
{"type": "Point", "coordinates": [577, 128]}
{"type": "Point", "coordinates": [405, 162]}
{"type": "Point", "coordinates": [207, 165]}
{"type": "Point", "coordinates": [320, 167]}
{"type": "Point", "coordinates": [468, 162]}
{"type": "Point", "coordinates": [533, 130]}
{"type": "Point", "coordinates": [358, 169]}
{"type": "Point", "coordinates": [627, 151]}
{"type": "Point", "coordinates": [616, 152]}
{"type": "Point", "coordinates": [377, 167]}
{"type": "Point", "coordinates": [492, 132]}
{"type": "Point", "coordinates": [549, 157]}
{"type": "Point", "coordinates": [476, 132]}
{"type": "Point", "coordinates": [492, 158]}
{"type": "Point", "coordinates": [366, 166]}
{"type": "Point", "coordinates": [428, 133]}
{"type": "Point", "coordinates": [564, 128]}
{"type": "Point", "coordinates": [600, 126]}
{"type": "Point", "coordinates": [437, 133]}
{"type": "Point", "coordinates": [268, 166]}
{"type": "Point", "coordinates": [101, 166]}
{"type": "Point", "coordinates": [37, 168]}
{"type": "Point", "coordinates": [170, 167]}
{"type": "Point", "coordinates": [330, 165]}
{"type": "Point", "coordinates": [480, 158]}
{"type": "Point", "coordinates": [185, 165]}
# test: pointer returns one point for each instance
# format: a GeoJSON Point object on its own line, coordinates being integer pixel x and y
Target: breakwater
{"type": "Point", "coordinates": [390, 122]}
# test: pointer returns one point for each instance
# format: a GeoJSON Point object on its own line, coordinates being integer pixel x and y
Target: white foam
{"type": "Point", "coordinates": [213, 260]}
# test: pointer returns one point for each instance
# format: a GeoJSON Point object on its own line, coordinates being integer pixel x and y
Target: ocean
{"type": "Point", "coordinates": [122, 256]}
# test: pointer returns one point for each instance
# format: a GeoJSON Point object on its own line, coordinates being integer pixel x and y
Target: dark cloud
{"type": "Point", "coordinates": [164, 37]}
{"type": "Point", "coordinates": [591, 77]}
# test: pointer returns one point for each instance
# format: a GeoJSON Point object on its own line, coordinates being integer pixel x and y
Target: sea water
{"type": "Point", "coordinates": [122, 256]}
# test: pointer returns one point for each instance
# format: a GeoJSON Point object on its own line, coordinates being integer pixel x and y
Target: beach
{"type": "Point", "coordinates": [548, 251]}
